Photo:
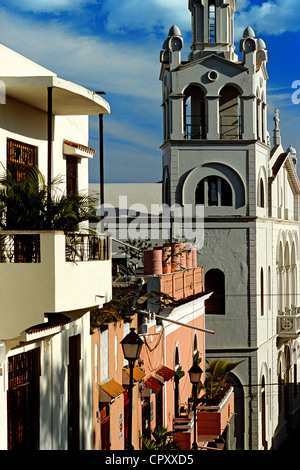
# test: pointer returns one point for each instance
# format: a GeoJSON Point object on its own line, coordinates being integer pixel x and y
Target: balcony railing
{"type": "Point", "coordinates": [87, 247]}
{"type": "Point", "coordinates": [37, 279]}
{"type": "Point", "coordinates": [20, 248]}
{"type": "Point", "coordinates": [288, 325]}
{"type": "Point", "coordinates": [194, 127]}
{"type": "Point", "coordinates": [231, 127]}
{"type": "Point", "coordinates": [25, 248]}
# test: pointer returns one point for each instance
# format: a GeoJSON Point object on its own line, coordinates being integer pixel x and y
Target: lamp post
{"type": "Point", "coordinates": [132, 345]}
{"type": "Point", "coordinates": [195, 373]}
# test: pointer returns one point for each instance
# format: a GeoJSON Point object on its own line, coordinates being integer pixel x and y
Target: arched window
{"type": "Point", "coordinates": [261, 201]}
{"type": "Point", "coordinates": [166, 187]}
{"type": "Point", "coordinates": [194, 113]}
{"type": "Point", "coordinates": [176, 357]}
{"type": "Point", "coordinates": [195, 342]}
{"type": "Point", "coordinates": [269, 289]}
{"type": "Point", "coordinates": [215, 283]}
{"type": "Point", "coordinates": [212, 21]}
{"type": "Point", "coordinates": [230, 114]}
{"type": "Point", "coordinates": [213, 191]}
{"type": "Point", "coordinates": [261, 291]}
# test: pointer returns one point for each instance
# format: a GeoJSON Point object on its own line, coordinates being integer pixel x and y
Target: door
{"type": "Point", "coordinates": [73, 393]}
{"type": "Point", "coordinates": [23, 401]}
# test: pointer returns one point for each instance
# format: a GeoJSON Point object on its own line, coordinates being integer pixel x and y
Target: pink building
{"type": "Point", "coordinates": [172, 326]}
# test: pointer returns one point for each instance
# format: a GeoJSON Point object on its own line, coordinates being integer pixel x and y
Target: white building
{"type": "Point", "coordinates": [217, 152]}
{"type": "Point", "coordinates": [45, 398]}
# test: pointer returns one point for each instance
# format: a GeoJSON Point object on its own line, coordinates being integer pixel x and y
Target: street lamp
{"type": "Point", "coordinates": [132, 345]}
{"type": "Point", "coordinates": [195, 373]}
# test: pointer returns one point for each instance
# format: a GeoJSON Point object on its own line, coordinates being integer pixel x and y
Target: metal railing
{"type": "Point", "coordinates": [26, 248]}
{"type": "Point", "coordinates": [194, 127]}
{"type": "Point", "coordinates": [231, 127]}
{"type": "Point", "coordinates": [87, 247]}
{"type": "Point", "coordinates": [20, 248]}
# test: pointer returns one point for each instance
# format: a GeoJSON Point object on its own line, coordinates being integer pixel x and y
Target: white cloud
{"type": "Point", "coordinates": [53, 6]}
{"type": "Point", "coordinates": [147, 16]}
{"type": "Point", "coordinates": [271, 17]}
{"type": "Point", "coordinates": [95, 62]}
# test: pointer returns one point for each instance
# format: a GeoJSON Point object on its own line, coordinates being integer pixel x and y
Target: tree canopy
{"type": "Point", "coordinates": [29, 203]}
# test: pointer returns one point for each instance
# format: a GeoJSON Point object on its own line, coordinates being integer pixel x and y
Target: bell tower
{"type": "Point", "coordinates": [212, 28]}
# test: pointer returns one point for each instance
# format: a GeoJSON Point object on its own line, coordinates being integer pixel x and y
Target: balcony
{"type": "Point", "coordinates": [50, 272]}
{"type": "Point", "coordinates": [213, 419]}
{"type": "Point", "coordinates": [195, 127]}
{"type": "Point", "coordinates": [288, 323]}
{"type": "Point", "coordinates": [231, 127]}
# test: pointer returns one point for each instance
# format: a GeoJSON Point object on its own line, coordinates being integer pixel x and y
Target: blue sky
{"type": "Point", "coordinates": [114, 46]}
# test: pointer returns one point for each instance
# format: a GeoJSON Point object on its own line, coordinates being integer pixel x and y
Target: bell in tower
{"type": "Point", "coordinates": [212, 28]}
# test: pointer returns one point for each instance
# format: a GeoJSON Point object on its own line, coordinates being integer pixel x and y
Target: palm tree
{"type": "Point", "coordinates": [29, 203]}
{"type": "Point", "coordinates": [162, 439]}
{"type": "Point", "coordinates": [216, 379]}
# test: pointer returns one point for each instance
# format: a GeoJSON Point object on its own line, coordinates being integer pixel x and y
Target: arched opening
{"type": "Point", "coordinates": [294, 277]}
{"type": "Point", "coordinates": [166, 187]}
{"type": "Point", "coordinates": [287, 272]}
{"type": "Point", "coordinates": [239, 409]}
{"type": "Point", "coordinates": [263, 413]}
{"type": "Point", "coordinates": [213, 191]}
{"type": "Point", "coordinates": [215, 283]}
{"type": "Point", "coordinates": [261, 201]}
{"type": "Point", "coordinates": [194, 113]}
{"type": "Point", "coordinates": [230, 113]}
{"type": "Point", "coordinates": [212, 21]}
{"type": "Point", "coordinates": [176, 380]}
{"type": "Point", "coordinates": [195, 342]}
{"type": "Point", "coordinates": [269, 288]}
{"type": "Point", "coordinates": [262, 291]}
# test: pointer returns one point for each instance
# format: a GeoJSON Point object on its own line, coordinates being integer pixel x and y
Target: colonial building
{"type": "Point", "coordinates": [46, 292]}
{"type": "Point", "coordinates": [217, 153]}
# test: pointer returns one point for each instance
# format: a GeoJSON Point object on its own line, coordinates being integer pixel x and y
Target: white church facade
{"type": "Point", "coordinates": [217, 152]}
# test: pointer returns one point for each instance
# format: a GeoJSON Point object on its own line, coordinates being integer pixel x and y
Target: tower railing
{"type": "Point", "coordinates": [231, 127]}
{"type": "Point", "coordinates": [194, 127]}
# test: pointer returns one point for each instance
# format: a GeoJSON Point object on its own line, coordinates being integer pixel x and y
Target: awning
{"type": "Point", "coordinates": [109, 391]}
{"type": "Point", "coordinates": [137, 373]}
{"type": "Point", "coordinates": [68, 98]}
{"type": "Point", "coordinates": [153, 384]}
{"type": "Point", "coordinates": [165, 373]}
{"type": "Point", "coordinates": [77, 150]}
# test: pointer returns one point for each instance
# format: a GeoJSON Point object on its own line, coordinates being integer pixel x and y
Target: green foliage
{"type": "Point", "coordinates": [161, 439]}
{"type": "Point", "coordinates": [216, 377]}
{"type": "Point", "coordinates": [118, 309]}
{"type": "Point", "coordinates": [29, 203]}
{"type": "Point", "coordinates": [135, 248]}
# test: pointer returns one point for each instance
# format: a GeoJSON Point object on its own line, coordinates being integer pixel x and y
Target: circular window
{"type": "Point", "coordinates": [213, 75]}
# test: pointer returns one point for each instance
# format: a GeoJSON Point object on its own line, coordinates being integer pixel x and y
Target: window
{"type": "Point", "coordinates": [215, 283]}
{"type": "Point", "coordinates": [231, 125]}
{"type": "Point", "coordinates": [213, 191]}
{"type": "Point", "coordinates": [212, 22]}
{"type": "Point", "coordinates": [72, 175]}
{"type": "Point", "coordinates": [261, 193]}
{"type": "Point", "coordinates": [20, 156]}
{"type": "Point", "coordinates": [261, 291]}
{"type": "Point", "coordinates": [23, 401]}
{"type": "Point", "coordinates": [194, 113]}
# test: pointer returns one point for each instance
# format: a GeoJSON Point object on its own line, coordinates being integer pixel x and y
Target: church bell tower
{"type": "Point", "coordinates": [212, 28]}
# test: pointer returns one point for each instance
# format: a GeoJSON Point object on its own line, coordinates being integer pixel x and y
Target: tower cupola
{"type": "Point", "coordinates": [212, 28]}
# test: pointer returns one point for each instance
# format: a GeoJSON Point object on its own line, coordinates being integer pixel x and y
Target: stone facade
{"type": "Point", "coordinates": [217, 152]}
